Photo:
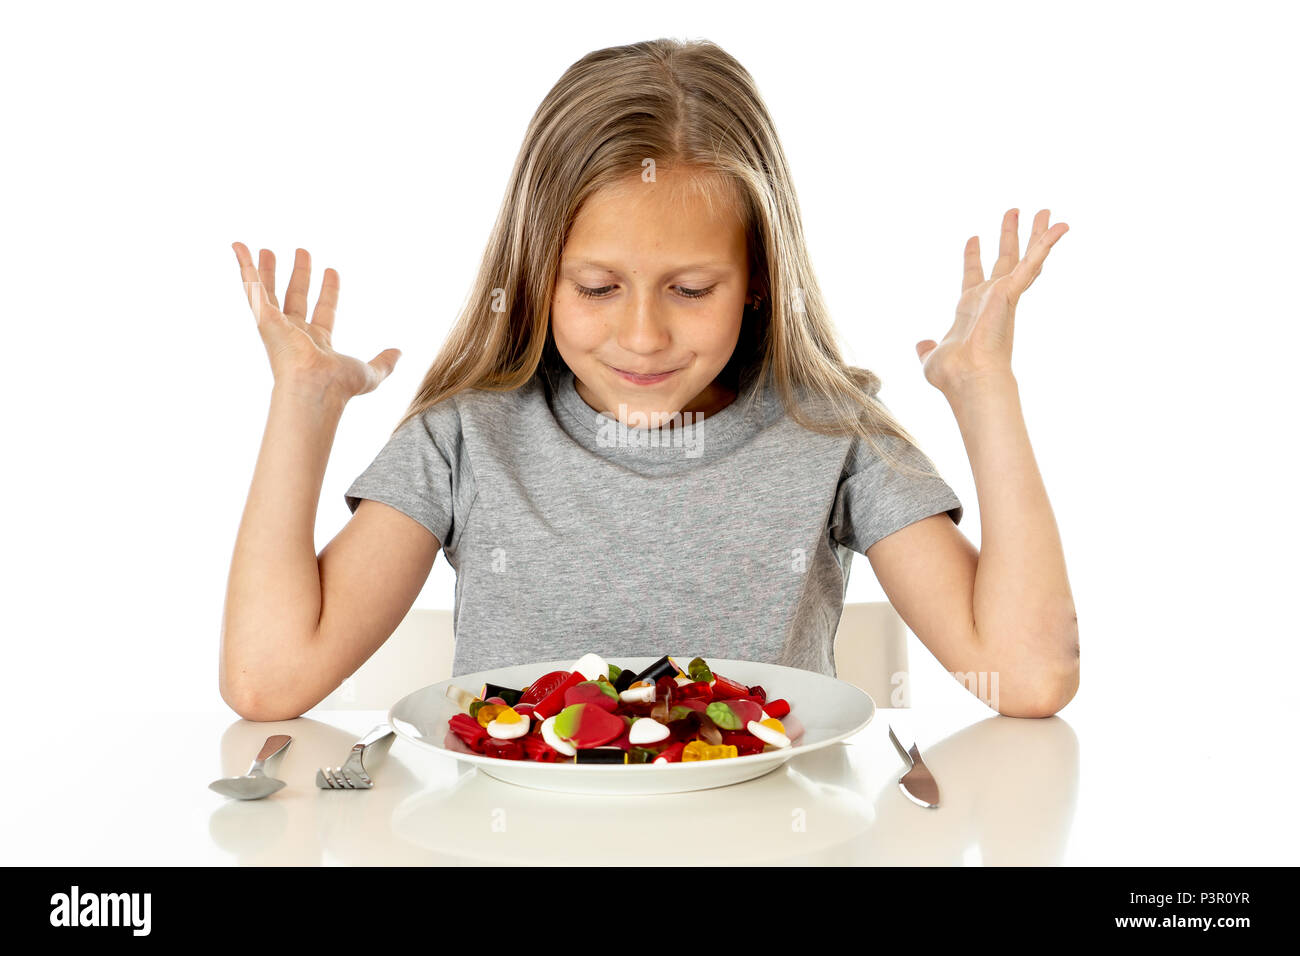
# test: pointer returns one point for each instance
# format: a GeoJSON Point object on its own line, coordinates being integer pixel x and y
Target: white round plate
{"type": "Point", "coordinates": [829, 710]}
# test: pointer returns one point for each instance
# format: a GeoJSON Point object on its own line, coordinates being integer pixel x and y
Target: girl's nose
{"type": "Point", "coordinates": [642, 330]}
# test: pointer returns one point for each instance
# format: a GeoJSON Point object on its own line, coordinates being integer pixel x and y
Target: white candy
{"type": "Point", "coordinates": [767, 734]}
{"type": "Point", "coordinates": [647, 730]}
{"type": "Point", "coordinates": [591, 666]}
{"type": "Point", "coordinates": [508, 731]}
{"type": "Point", "coordinates": [553, 741]}
{"type": "Point", "coordinates": [639, 695]}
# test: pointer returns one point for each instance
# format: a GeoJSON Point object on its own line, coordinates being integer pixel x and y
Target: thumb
{"type": "Point", "coordinates": [923, 349]}
{"type": "Point", "coordinates": [384, 362]}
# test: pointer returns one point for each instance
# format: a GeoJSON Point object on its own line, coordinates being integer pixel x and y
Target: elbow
{"type": "Point", "coordinates": [251, 704]}
{"type": "Point", "coordinates": [1043, 697]}
{"type": "Point", "coordinates": [1047, 688]}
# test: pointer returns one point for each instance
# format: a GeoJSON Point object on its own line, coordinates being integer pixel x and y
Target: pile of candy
{"type": "Point", "coordinates": [599, 713]}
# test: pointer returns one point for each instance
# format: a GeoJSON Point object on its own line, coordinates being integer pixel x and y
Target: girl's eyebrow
{"type": "Point", "coordinates": [711, 264]}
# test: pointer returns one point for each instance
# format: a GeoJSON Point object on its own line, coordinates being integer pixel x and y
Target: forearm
{"type": "Point", "coordinates": [1023, 609]}
{"type": "Point", "coordinates": [273, 596]}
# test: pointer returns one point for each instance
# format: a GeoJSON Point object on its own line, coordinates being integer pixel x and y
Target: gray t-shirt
{"type": "Point", "coordinates": [733, 539]}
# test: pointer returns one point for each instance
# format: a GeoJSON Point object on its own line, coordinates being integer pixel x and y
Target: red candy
{"type": "Point", "coordinates": [553, 702]}
{"type": "Point", "coordinates": [697, 690]}
{"type": "Point", "coordinates": [673, 752]}
{"type": "Point", "coordinates": [589, 692]}
{"type": "Point", "coordinates": [777, 708]}
{"type": "Point", "coordinates": [505, 749]}
{"type": "Point", "coordinates": [469, 730]}
{"type": "Point", "coordinates": [745, 743]}
{"type": "Point", "coordinates": [758, 694]}
{"type": "Point", "coordinates": [586, 726]}
{"type": "Point", "coordinates": [538, 749]}
{"type": "Point", "coordinates": [724, 689]}
{"type": "Point", "coordinates": [544, 685]}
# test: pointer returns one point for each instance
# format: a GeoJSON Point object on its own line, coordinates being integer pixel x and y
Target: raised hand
{"type": "Point", "coordinates": [300, 351]}
{"type": "Point", "coordinates": [978, 346]}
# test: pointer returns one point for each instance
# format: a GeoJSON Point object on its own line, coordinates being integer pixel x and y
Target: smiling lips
{"type": "Point", "coordinates": [650, 379]}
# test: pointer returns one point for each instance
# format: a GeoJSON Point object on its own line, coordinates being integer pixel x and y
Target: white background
{"type": "Point", "coordinates": [1154, 353]}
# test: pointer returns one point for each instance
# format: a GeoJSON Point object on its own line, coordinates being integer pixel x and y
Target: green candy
{"type": "Point", "coordinates": [640, 755]}
{"type": "Point", "coordinates": [614, 671]}
{"type": "Point", "coordinates": [679, 712]}
{"type": "Point", "coordinates": [474, 706]}
{"type": "Point", "coordinates": [699, 671]}
{"type": "Point", "coordinates": [721, 714]}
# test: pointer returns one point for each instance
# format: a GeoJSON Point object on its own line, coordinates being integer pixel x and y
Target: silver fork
{"type": "Point", "coordinates": [352, 775]}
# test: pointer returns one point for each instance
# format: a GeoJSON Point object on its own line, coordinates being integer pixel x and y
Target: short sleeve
{"type": "Point", "coordinates": [874, 499]}
{"type": "Point", "coordinates": [415, 472]}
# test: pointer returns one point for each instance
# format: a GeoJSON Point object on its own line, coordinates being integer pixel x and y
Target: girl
{"type": "Point", "coordinates": [640, 437]}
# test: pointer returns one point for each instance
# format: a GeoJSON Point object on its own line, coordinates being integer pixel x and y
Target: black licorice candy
{"type": "Point", "coordinates": [509, 695]}
{"type": "Point", "coordinates": [601, 755]}
{"type": "Point", "coordinates": [624, 680]}
{"type": "Point", "coordinates": [664, 667]}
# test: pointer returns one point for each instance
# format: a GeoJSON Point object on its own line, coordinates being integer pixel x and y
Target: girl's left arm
{"type": "Point", "coordinates": [1002, 619]}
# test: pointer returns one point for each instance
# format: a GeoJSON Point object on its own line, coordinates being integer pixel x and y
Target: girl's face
{"type": "Point", "coordinates": [649, 301]}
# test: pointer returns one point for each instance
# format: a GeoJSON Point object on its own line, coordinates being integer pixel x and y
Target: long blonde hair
{"type": "Point", "coordinates": [687, 105]}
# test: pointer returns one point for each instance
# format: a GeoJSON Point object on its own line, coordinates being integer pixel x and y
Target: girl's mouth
{"type": "Point", "coordinates": [651, 379]}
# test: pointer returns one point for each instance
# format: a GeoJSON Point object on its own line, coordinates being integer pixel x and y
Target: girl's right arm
{"type": "Point", "coordinates": [296, 625]}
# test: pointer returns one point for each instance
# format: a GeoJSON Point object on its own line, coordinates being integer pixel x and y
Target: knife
{"type": "Point", "coordinates": [918, 783]}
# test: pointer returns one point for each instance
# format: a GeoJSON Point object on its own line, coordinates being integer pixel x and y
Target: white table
{"type": "Point", "coordinates": [1086, 787]}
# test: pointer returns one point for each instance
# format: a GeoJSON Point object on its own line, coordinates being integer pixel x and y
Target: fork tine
{"type": "Point", "coordinates": [334, 781]}
{"type": "Point", "coordinates": [347, 780]}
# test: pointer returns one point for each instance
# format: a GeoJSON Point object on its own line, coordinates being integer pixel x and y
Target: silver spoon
{"type": "Point", "coordinates": [255, 784]}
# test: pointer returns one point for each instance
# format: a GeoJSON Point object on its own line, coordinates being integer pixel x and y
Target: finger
{"type": "Point", "coordinates": [1032, 264]}
{"type": "Point", "coordinates": [295, 297]}
{"type": "Point", "coordinates": [973, 270]}
{"type": "Point", "coordinates": [266, 269]}
{"type": "Point", "coordinates": [1040, 226]}
{"type": "Point", "coordinates": [258, 300]}
{"type": "Point", "coordinates": [382, 366]}
{"type": "Point", "coordinates": [327, 301]}
{"type": "Point", "coordinates": [1008, 246]}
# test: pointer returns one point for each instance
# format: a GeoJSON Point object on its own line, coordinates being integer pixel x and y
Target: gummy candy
{"type": "Point", "coordinates": [724, 688]}
{"type": "Point", "coordinates": [733, 714]}
{"type": "Point", "coordinates": [553, 702]}
{"type": "Point", "coordinates": [678, 715]}
{"type": "Point", "coordinates": [745, 743]}
{"type": "Point", "coordinates": [671, 754]}
{"type": "Point", "coordinates": [697, 670]}
{"type": "Point", "coordinates": [697, 690]}
{"type": "Point", "coordinates": [585, 726]}
{"type": "Point", "coordinates": [544, 685]}
{"type": "Point", "coordinates": [505, 749]}
{"type": "Point", "coordinates": [599, 693]}
{"type": "Point", "coordinates": [698, 750]}
{"type": "Point", "coordinates": [488, 713]}
{"type": "Point", "coordinates": [777, 708]}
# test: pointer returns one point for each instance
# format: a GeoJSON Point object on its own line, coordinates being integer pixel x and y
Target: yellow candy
{"type": "Point", "coordinates": [488, 712]}
{"type": "Point", "coordinates": [699, 750]}
{"type": "Point", "coordinates": [640, 683]}
{"type": "Point", "coordinates": [774, 724]}
{"type": "Point", "coordinates": [509, 716]}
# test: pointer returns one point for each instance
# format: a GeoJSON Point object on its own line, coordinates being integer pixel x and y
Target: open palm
{"type": "Point", "coordinates": [978, 346]}
{"type": "Point", "coordinates": [300, 351]}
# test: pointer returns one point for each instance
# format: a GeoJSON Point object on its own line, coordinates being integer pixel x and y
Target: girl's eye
{"type": "Point", "coordinates": [696, 293]}
{"type": "Point", "coordinates": [605, 290]}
